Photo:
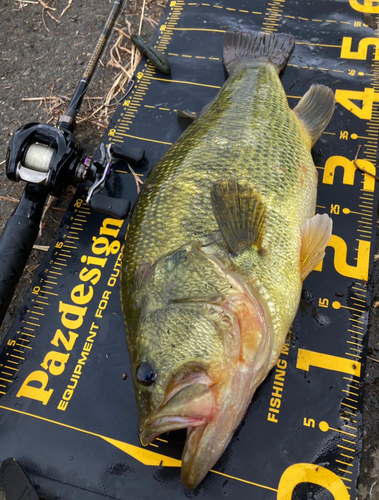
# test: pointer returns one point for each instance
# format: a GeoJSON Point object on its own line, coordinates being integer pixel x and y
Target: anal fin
{"type": "Point", "coordinates": [315, 110]}
{"type": "Point", "coordinates": [315, 235]}
{"type": "Point", "coordinates": [240, 214]}
{"type": "Point", "coordinates": [185, 113]}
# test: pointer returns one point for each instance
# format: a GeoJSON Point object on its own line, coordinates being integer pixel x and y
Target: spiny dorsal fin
{"type": "Point", "coordinates": [315, 235]}
{"type": "Point", "coordinates": [240, 214]}
{"type": "Point", "coordinates": [244, 47]}
{"type": "Point", "coordinates": [315, 110]}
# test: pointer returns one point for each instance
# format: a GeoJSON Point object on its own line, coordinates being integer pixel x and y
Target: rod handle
{"type": "Point", "coordinates": [17, 240]}
{"type": "Point", "coordinates": [16, 243]}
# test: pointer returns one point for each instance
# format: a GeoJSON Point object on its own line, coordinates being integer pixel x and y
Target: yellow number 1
{"type": "Point", "coordinates": [306, 359]}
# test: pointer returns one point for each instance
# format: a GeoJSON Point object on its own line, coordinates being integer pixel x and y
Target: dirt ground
{"type": "Point", "coordinates": [43, 55]}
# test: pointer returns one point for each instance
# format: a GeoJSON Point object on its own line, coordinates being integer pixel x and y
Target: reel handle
{"type": "Point", "coordinates": [16, 241]}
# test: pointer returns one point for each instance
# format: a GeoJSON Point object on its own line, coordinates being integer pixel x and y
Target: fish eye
{"type": "Point", "coordinates": [146, 373]}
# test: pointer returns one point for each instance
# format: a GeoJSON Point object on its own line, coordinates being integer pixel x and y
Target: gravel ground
{"type": "Point", "coordinates": [43, 57]}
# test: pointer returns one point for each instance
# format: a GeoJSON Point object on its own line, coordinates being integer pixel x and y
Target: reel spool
{"type": "Point", "coordinates": [38, 157]}
{"type": "Point", "coordinates": [36, 163]}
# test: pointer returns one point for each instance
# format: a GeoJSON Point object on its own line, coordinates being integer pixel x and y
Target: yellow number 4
{"type": "Point", "coordinates": [368, 97]}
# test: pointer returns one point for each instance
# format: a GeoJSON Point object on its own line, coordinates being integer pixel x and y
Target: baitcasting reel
{"type": "Point", "coordinates": [50, 156]}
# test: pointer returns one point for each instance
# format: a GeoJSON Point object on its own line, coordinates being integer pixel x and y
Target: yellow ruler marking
{"type": "Point", "coordinates": [357, 321]}
{"type": "Point", "coordinates": [145, 139]}
{"type": "Point", "coordinates": [348, 441]}
{"type": "Point", "coordinates": [318, 44]}
{"type": "Point", "coordinates": [202, 29]}
{"type": "Point", "coordinates": [344, 463]}
{"type": "Point", "coordinates": [243, 480]}
{"type": "Point", "coordinates": [349, 406]}
{"type": "Point", "coordinates": [141, 454]}
{"type": "Point", "coordinates": [186, 83]}
{"type": "Point", "coordinates": [350, 393]}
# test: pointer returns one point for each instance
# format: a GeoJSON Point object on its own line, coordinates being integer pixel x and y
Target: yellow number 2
{"type": "Point", "coordinates": [360, 270]}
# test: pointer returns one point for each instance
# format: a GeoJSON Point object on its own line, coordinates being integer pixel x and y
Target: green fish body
{"type": "Point", "coordinates": [220, 240]}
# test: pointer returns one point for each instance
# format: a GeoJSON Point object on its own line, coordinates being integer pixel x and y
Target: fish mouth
{"type": "Point", "coordinates": [190, 407]}
{"type": "Point", "coordinates": [210, 409]}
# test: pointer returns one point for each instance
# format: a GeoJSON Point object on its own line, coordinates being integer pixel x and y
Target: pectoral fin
{"type": "Point", "coordinates": [315, 235]}
{"type": "Point", "coordinates": [315, 111]}
{"type": "Point", "coordinates": [240, 214]}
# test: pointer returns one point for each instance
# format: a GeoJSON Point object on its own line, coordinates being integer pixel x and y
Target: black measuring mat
{"type": "Point", "coordinates": [67, 412]}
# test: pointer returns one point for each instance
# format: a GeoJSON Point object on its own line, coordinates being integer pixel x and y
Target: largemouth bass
{"type": "Point", "coordinates": [220, 240]}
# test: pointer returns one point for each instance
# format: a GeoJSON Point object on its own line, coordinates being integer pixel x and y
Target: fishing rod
{"type": "Point", "coordinates": [49, 159]}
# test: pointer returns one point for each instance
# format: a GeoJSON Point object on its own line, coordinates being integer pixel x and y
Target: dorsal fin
{"type": "Point", "coordinates": [240, 214]}
{"type": "Point", "coordinates": [315, 235]}
{"type": "Point", "coordinates": [315, 110]}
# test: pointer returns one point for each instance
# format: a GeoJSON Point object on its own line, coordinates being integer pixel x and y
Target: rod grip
{"type": "Point", "coordinates": [16, 243]}
{"type": "Point", "coordinates": [17, 239]}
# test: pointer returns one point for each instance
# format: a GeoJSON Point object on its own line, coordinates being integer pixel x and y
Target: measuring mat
{"type": "Point", "coordinates": [67, 408]}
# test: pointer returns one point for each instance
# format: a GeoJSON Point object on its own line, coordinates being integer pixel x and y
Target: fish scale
{"type": "Point", "coordinates": [245, 122]}
{"type": "Point", "coordinates": [219, 241]}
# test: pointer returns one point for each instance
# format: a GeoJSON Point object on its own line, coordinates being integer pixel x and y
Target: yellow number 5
{"type": "Point", "coordinates": [363, 45]}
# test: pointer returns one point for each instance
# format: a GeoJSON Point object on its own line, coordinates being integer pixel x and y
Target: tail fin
{"type": "Point", "coordinates": [244, 46]}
